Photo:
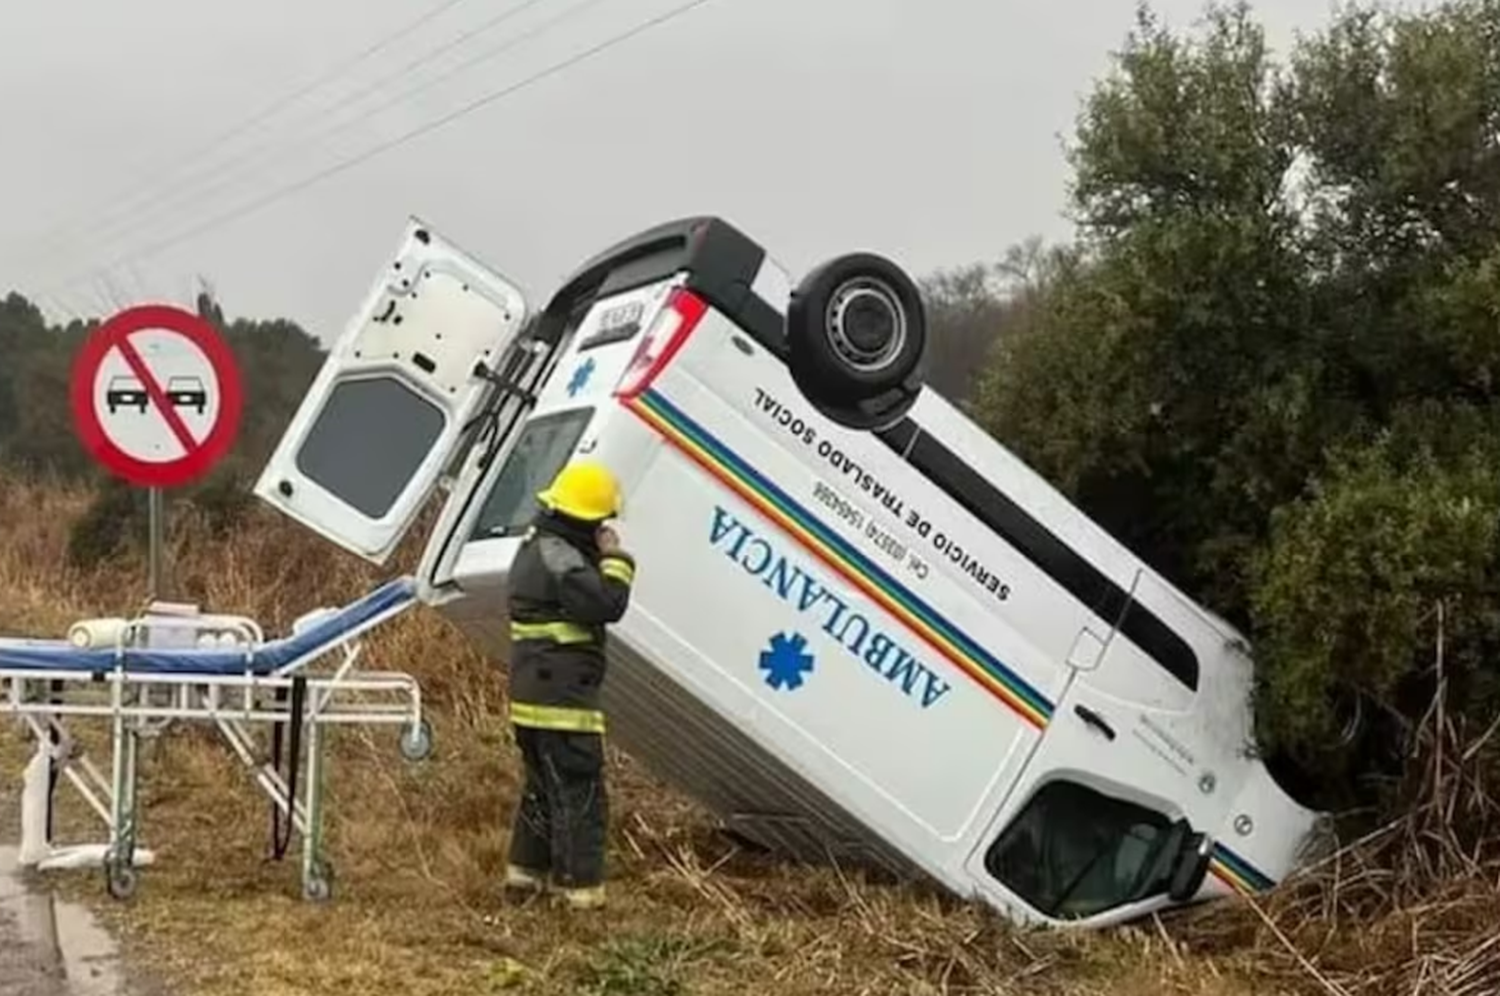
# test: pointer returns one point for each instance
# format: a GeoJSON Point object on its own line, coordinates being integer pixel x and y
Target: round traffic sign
{"type": "Point", "coordinates": [156, 396]}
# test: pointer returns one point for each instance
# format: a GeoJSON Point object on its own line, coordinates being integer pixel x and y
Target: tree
{"type": "Point", "coordinates": [969, 308]}
{"type": "Point", "coordinates": [1268, 363]}
{"type": "Point", "coordinates": [1171, 334]}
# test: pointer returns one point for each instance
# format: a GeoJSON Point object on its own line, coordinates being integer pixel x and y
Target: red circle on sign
{"type": "Point", "coordinates": [201, 456]}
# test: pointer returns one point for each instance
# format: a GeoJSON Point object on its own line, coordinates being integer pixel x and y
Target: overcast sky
{"type": "Point", "coordinates": [930, 130]}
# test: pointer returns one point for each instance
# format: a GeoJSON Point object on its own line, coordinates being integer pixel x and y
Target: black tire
{"type": "Point", "coordinates": [856, 330]}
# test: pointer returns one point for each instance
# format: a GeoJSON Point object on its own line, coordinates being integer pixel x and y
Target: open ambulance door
{"type": "Point", "coordinates": [428, 367]}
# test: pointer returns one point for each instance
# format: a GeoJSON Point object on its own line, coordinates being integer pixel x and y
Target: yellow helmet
{"type": "Point", "coordinates": [585, 490]}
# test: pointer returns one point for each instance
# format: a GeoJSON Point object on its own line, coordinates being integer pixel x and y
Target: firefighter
{"type": "Point", "coordinates": [570, 579]}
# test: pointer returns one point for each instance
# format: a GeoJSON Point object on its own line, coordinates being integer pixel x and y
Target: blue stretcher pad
{"type": "Point", "coordinates": [60, 655]}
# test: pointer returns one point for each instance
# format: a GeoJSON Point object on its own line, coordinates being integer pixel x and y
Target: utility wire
{"type": "Point", "coordinates": [113, 219]}
{"type": "Point", "coordinates": [264, 152]}
{"type": "Point", "coordinates": [299, 185]}
{"type": "Point", "coordinates": [265, 112]}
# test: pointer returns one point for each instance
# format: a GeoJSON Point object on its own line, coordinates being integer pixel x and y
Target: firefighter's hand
{"type": "Point", "coordinates": [608, 540]}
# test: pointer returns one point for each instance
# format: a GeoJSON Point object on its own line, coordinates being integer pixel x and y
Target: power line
{"type": "Point", "coordinates": [113, 219]}
{"type": "Point", "coordinates": [400, 140]}
{"type": "Point", "coordinates": [267, 110]}
{"type": "Point", "coordinates": [263, 152]}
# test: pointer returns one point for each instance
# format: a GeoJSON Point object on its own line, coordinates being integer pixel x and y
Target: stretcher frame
{"type": "Point", "coordinates": [141, 705]}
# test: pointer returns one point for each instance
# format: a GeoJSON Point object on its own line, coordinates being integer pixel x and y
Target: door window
{"type": "Point", "coordinates": [361, 417]}
{"type": "Point", "coordinates": [1074, 852]}
{"type": "Point", "coordinates": [540, 452]}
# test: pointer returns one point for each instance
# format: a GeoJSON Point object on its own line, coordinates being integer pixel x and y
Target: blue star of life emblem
{"type": "Point", "coordinates": [581, 376]}
{"type": "Point", "coordinates": [786, 661]}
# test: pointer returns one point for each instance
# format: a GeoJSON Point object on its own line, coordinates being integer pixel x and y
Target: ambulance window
{"type": "Point", "coordinates": [1083, 579]}
{"type": "Point", "coordinates": [543, 447]}
{"type": "Point", "coordinates": [1074, 852]}
{"type": "Point", "coordinates": [335, 452]}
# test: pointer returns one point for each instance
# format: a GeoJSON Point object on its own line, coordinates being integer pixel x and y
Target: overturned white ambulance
{"type": "Point", "coordinates": [861, 627]}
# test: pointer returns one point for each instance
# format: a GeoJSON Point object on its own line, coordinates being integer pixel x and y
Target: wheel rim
{"type": "Point", "coordinates": [866, 324]}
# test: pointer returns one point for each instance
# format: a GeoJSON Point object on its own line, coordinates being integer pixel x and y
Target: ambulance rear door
{"type": "Point", "coordinates": [433, 362]}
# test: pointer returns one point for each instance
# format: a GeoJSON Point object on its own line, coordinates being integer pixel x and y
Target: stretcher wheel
{"type": "Point", "coordinates": [318, 886]}
{"type": "Point", "coordinates": [121, 880]}
{"type": "Point", "coordinates": [416, 741]}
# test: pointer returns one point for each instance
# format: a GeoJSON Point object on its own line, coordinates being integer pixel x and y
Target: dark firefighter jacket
{"type": "Point", "coordinates": [562, 594]}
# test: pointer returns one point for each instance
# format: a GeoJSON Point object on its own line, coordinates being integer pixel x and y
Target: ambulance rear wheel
{"type": "Point", "coordinates": [856, 335]}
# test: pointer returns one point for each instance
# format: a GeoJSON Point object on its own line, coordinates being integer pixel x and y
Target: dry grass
{"type": "Point", "coordinates": [418, 851]}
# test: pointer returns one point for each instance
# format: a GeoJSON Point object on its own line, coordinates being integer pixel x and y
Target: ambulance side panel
{"type": "Point", "coordinates": [808, 635]}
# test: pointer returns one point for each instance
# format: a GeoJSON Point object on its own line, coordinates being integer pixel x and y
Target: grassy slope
{"type": "Point", "coordinates": [417, 851]}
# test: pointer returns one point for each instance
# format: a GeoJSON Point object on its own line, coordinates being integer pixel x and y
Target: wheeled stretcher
{"type": "Point", "coordinates": [174, 664]}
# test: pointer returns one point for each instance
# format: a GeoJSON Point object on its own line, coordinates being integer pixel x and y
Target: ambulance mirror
{"type": "Point", "coordinates": [1191, 867]}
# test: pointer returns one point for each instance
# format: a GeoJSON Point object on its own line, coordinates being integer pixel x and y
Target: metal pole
{"type": "Point", "coordinates": [154, 554]}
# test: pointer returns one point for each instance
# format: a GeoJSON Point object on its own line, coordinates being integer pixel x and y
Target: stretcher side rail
{"type": "Point", "coordinates": [140, 691]}
{"type": "Point", "coordinates": [282, 656]}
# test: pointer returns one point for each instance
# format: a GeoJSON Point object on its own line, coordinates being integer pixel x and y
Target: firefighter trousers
{"type": "Point", "coordinates": [560, 824]}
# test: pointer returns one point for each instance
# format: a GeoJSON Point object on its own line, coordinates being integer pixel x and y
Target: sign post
{"type": "Point", "coordinates": [155, 528]}
{"type": "Point", "coordinates": [156, 400]}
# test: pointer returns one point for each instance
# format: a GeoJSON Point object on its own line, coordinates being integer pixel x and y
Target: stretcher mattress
{"type": "Point", "coordinates": [60, 655]}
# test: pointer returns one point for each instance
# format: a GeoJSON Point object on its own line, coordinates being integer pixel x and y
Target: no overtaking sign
{"type": "Point", "coordinates": [156, 396]}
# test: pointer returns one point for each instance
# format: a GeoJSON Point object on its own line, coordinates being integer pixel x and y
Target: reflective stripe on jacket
{"type": "Point", "coordinates": [562, 595]}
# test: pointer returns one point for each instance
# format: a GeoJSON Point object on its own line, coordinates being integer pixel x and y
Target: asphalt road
{"type": "Point", "coordinates": [30, 960]}
{"type": "Point", "coordinates": [49, 947]}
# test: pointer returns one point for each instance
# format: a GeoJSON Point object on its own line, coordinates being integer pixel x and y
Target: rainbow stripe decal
{"type": "Point", "coordinates": [1237, 873]}
{"type": "Point", "coordinates": [700, 446]}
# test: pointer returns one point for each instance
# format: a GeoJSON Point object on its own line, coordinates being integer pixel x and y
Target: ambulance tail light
{"type": "Point", "coordinates": [674, 324]}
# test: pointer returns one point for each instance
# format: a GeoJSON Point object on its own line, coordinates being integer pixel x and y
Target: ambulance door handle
{"type": "Point", "coordinates": [1095, 720]}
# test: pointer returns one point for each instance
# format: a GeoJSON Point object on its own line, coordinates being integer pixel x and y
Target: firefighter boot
{"type": "Point", "coordinates": [523, 880]}
{"type": "Point", "coordinates": [591, 898]}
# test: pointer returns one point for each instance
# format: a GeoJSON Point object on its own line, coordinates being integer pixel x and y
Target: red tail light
{"type": "Point", "coordinates": [674, 323]}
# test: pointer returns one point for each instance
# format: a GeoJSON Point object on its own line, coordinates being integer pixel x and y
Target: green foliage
{"type": "Point", "coordinates": [1182, 126]}
{"type": "Point", "coordinates": [646, 965]}
{"type": "Point", "coordinates": [225, 501]}
{"type": "Point", "coordinates": [1349, 586]}
{"type": "Point", "coordinates": [1269, 362]}
{"type": "Point", "coordinates": [116, 520]}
